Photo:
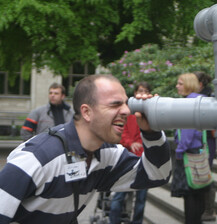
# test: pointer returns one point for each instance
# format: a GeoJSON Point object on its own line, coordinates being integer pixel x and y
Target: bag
{"type": "Point", "coordinates": [197, 169]}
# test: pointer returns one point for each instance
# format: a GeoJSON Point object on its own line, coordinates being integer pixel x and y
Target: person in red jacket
{"type": "Point", "coordinates": [131, 139]}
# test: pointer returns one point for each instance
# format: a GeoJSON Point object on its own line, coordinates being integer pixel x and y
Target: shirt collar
{"type": "Point", "coordinates": [73, 140]}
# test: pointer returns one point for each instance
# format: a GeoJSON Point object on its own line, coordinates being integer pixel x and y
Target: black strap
{"type": "Point", "coordinates": [76, 200]}
{"type": "Point", "coordinates": [68, 158]}
{"type": "Point", "coordinates": [63, 140]}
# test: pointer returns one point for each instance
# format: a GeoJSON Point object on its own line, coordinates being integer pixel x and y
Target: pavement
{"type": "Point", "coordinates": [88, 212]}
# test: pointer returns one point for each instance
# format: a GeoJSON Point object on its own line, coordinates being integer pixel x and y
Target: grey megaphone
{"type": "Point", "coordinates": [164, 113]}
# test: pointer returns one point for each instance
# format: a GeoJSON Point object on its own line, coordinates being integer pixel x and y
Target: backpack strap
{"type": "Point", "coordinates": [63, 140]}
{"type": "Point", "coordinates": [68, 158]}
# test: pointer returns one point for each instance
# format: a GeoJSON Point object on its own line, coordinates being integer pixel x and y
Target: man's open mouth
{"type": "Point", "coordinates": [119, 124]}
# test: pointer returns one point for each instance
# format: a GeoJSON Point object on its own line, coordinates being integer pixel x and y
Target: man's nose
{"type": "Point", "coordinates": [126, 110]}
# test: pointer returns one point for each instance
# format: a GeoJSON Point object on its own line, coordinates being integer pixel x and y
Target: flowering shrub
{"type": "Point", "coordinates": [161, 67]}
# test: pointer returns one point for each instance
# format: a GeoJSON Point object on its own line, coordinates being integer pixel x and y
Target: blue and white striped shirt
{"type": "Point", "coordinates": [32, 183]}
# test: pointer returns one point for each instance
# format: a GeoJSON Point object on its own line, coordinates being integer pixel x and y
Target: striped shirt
{"type": "Point", "coordinates": [32, 183]}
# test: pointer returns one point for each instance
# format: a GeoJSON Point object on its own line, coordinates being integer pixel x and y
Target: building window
{"type": "Point", "coordinates": [19, 86]}
{"type": "Point", "coordinates": [22, 87]}
{"type": "Point", "coordinates": [76, 72]}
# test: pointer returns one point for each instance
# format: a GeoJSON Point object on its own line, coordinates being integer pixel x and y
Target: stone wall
{"type": "Point", "coordinates": [40, 83]}
{"type": "Point", "coordinates": [15, 104]}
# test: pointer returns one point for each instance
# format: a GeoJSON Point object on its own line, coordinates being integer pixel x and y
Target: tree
{"type": "Point", "coordinates": [56, 33]}
{"type": "Point", "coordinates": [53, 33]}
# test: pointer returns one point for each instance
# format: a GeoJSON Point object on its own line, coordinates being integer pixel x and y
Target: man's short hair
{"type": "Point", "coordinates": [56, 86]}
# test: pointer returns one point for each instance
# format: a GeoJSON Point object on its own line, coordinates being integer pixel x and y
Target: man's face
{"type": "Point", "coordinates": [110, 113]}
{"type": "Point", "coordinates": [55, 96]}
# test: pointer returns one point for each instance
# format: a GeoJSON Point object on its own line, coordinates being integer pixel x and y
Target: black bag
{"type": "Point", "coordinates": [179, 186]}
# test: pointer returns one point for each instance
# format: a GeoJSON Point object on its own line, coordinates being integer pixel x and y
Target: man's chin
{"type": "Point", "coordinates": [115, 140]}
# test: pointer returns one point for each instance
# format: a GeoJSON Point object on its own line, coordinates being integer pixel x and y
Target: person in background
{"type": "Point", "coordinates": [45, 181]}
{"type": "Point", "coordinates": [191, 141]}
{"type": "Point", "coordinates": [204, 80]}
{"type": "Point", "coordinates": [49, 115]}
{"type": "Point", "coordinates": [205, 89]}
{"type": "Point", "coordinates": [131, 139]}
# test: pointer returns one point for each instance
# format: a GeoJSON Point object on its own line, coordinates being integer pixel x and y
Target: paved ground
{"type": "Point", "coordinates": [85, 216]}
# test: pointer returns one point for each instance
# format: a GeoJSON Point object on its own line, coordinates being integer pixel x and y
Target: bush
{"type": "Point", "coordinates": [160, 67]}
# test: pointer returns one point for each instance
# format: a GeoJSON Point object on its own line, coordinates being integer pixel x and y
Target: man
{"type": "Point", "coordinates": [54, 113]}
{"type": "Point", "coordinates": [39, 182]}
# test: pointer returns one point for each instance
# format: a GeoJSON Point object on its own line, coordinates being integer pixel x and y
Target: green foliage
{"type": "Point", "coordinates": [57, 33]}
{"type": "Point", "coordinates": [53, 33]}
{"type": "Point", "coordinates": [170, 20]}
{"type": "Point", "coordinates": [161, 67]}
{"type": "Point", "coordinates": [140, 10]}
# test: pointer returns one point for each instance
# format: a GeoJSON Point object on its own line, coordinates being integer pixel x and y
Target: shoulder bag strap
{"type": "Point", "coordinates": [204, 140]}
{"type": "Point", "coordinates": [179, 134]}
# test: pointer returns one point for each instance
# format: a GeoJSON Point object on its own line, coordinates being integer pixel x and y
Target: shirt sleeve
{"type": "Point", "coordinates": [152, 169]}
{"type": "Point", "coordinates": [29, 127]}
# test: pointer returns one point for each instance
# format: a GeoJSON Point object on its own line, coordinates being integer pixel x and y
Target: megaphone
{"type": "Point", "coordinates": [165, 113]}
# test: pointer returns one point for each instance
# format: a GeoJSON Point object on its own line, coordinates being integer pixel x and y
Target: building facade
{"type": "Point", "coordinates": [18, 100]}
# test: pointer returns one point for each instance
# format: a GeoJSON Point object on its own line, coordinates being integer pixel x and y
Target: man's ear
{"type": "Point", "coordinates": [86, 112]}
{"type": "Point", "coordinates": [63, 96]}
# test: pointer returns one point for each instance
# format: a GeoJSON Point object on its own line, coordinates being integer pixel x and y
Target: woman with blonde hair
{"type": "Point", "coordinates": [187, 83]}
{"type": "Point", "coordinates": [191, 141]}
